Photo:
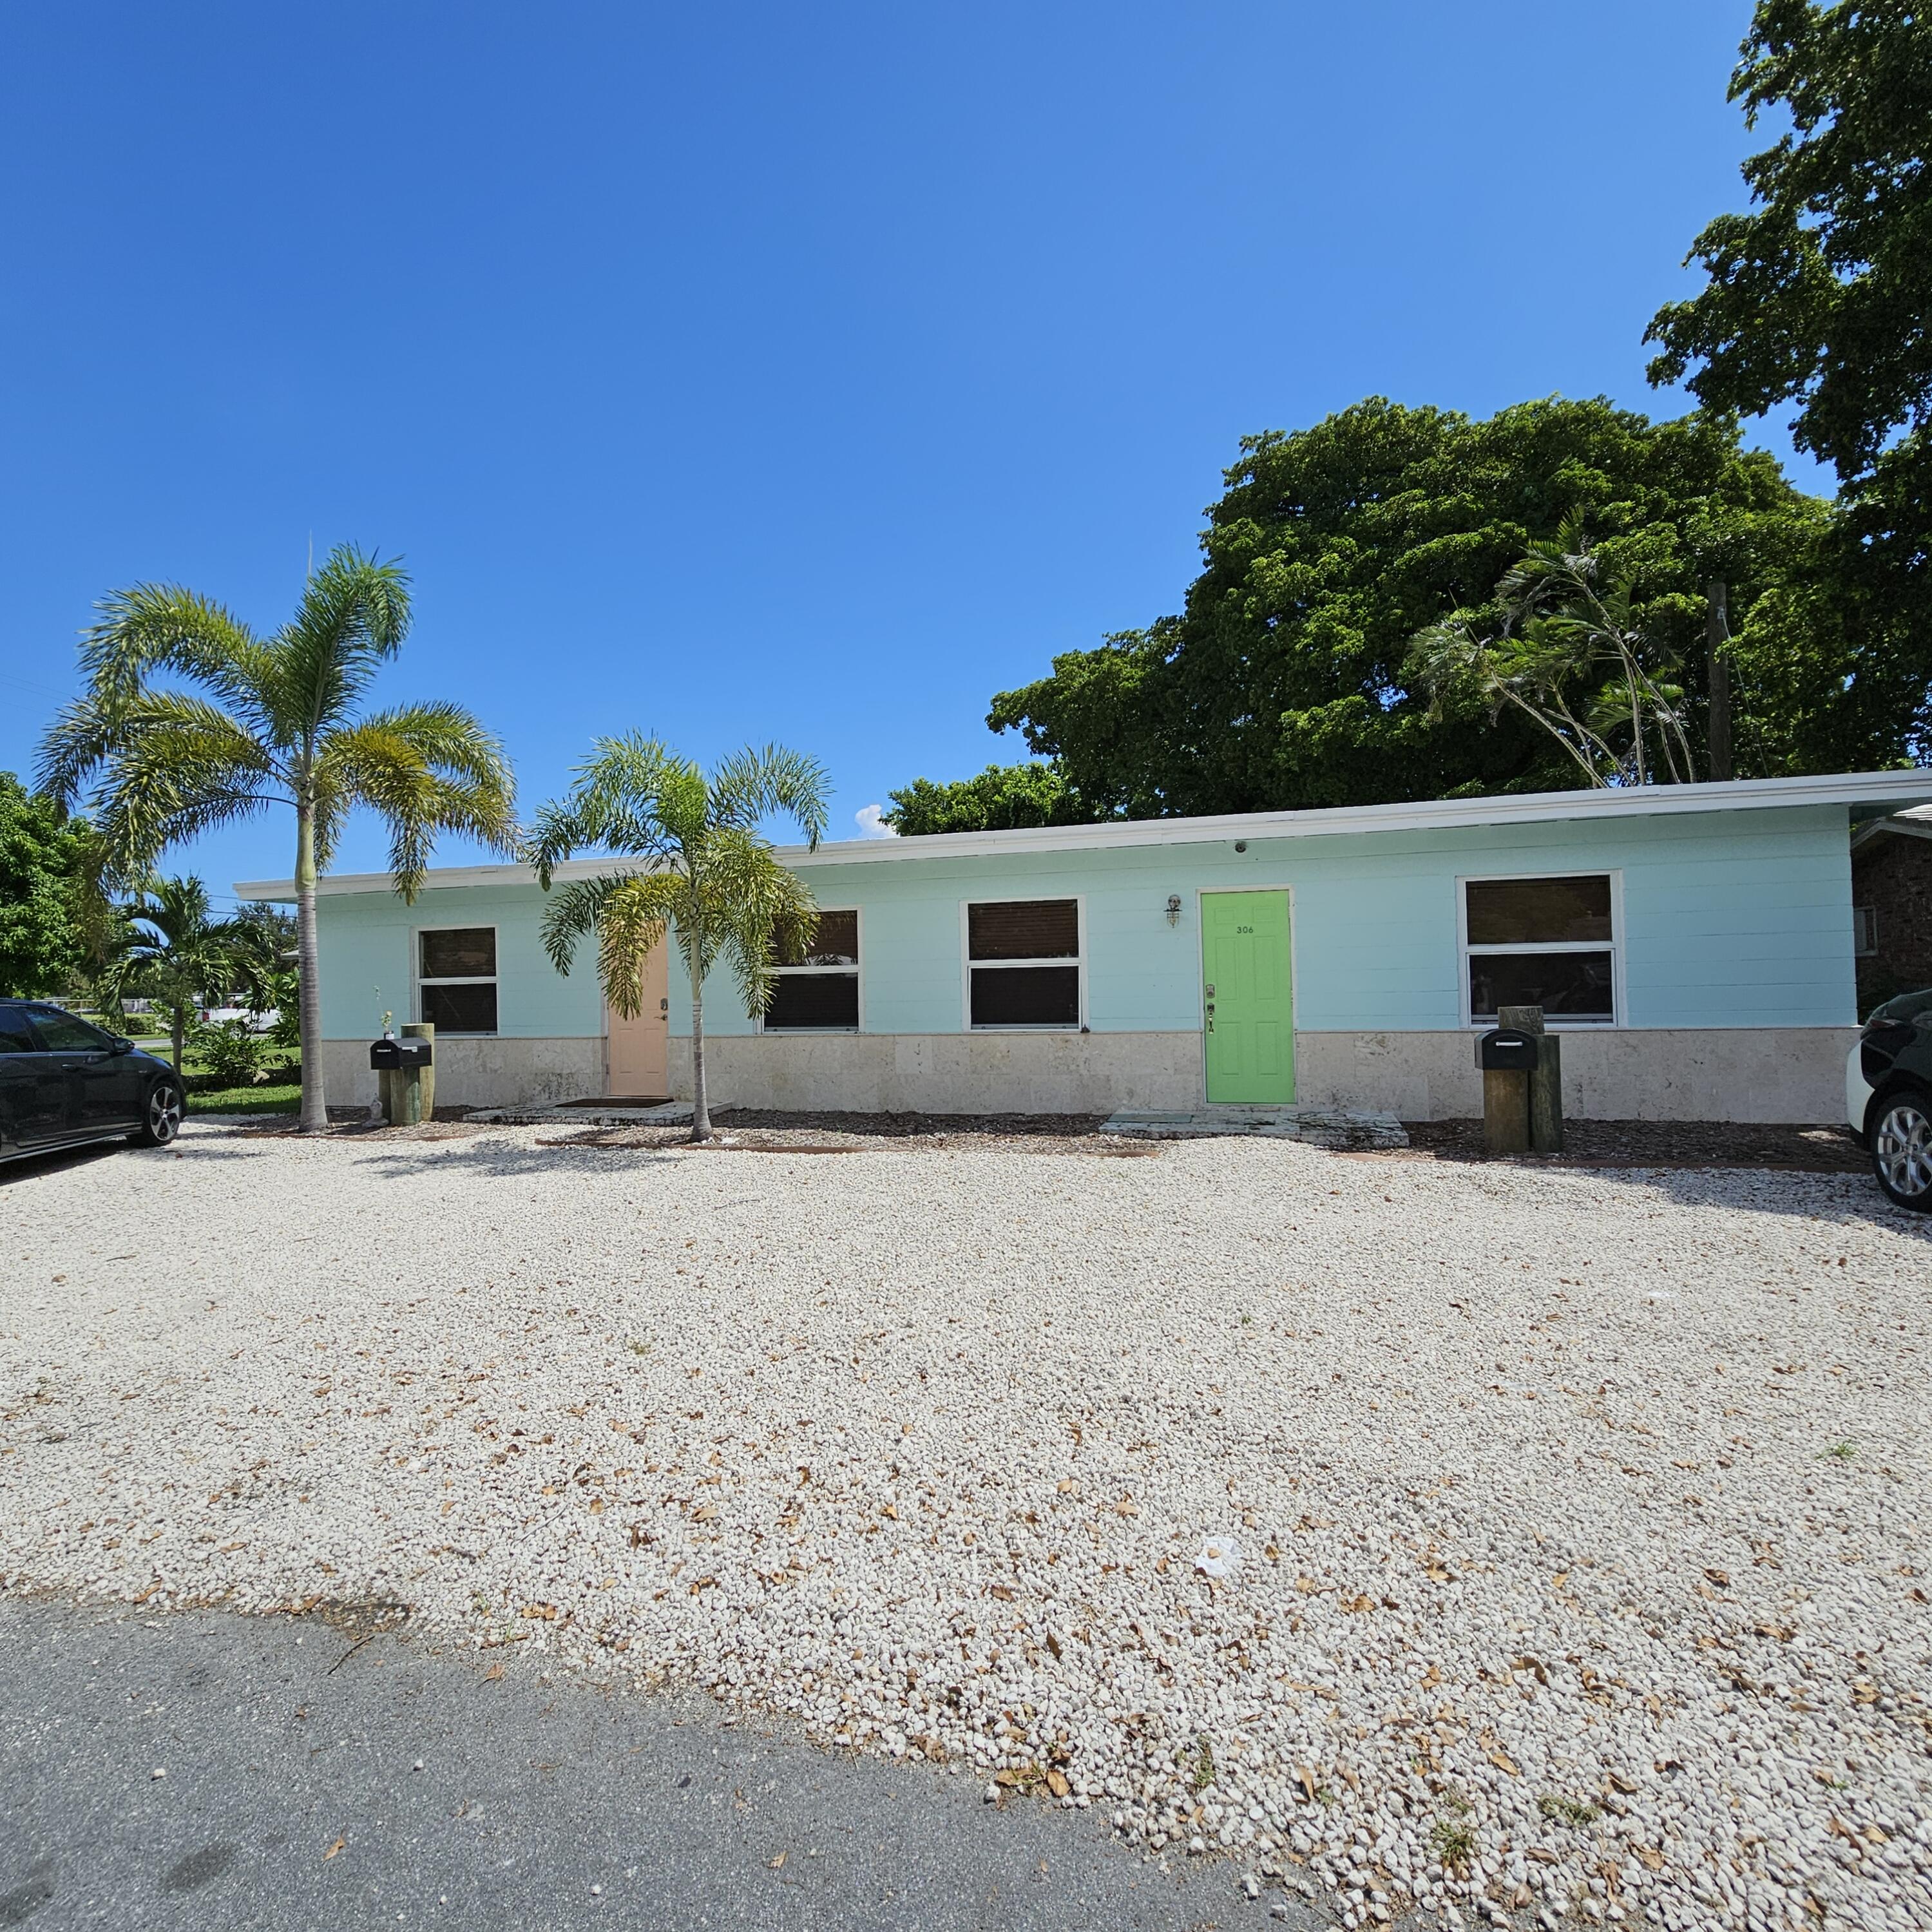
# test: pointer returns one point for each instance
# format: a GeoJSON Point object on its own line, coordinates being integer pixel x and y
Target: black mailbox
{"type": "Point", "coordinates": [386, 1054]}
{"type": "Point", "coordinates": [1506, 1047]}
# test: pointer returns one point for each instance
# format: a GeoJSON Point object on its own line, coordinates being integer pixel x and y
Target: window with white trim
{"type": "Point", "coordinates": [1024, 963]}
{"type": "Point", "coordinates": [456, 978]}
{"type": "Point", "coordinates": [1541, 942]}
{"type": "Point", "coordinates": [817, 990]}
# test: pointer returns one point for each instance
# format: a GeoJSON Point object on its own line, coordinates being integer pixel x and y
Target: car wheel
{"type": "Point", "coordinates": [1901, 1148]}
{"type": "Point", "coordinates": [161, 1120]}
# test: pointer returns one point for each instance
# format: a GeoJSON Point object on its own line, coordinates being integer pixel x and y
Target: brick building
{"type": "Point", "coordinates": [1892, 905]}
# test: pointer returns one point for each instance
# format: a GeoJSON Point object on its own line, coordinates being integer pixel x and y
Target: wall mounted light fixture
{"type": "Point", "coordinates": [1174, 908]}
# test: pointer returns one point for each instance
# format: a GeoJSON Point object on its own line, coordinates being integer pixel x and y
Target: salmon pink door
{"type": "Point", "coordinates": [637, 1055]}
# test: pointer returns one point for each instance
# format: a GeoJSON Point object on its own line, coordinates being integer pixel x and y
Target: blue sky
{"type": "Point", "coordinates": [779, 372]}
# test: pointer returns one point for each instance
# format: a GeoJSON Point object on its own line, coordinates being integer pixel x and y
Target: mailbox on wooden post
{"type": "Point", "coordinates": [400, 1066]}
{"type": "Point", "coordinates": [1522, 1084]}
{"type": "Point", "coordinates": [1507, 1057]}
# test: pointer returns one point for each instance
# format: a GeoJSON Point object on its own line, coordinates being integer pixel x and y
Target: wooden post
{"type": "Point", "coordinates": [1544, 1081]}
{"type": "Point", "coordinates": [425, 1077]}
{"type": "Point", "coordinates": [1505, 1110]}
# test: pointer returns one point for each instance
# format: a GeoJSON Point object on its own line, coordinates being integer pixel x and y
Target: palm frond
{"type": "Point", "coordinates": [354, 614]}
{"type": "Point", "coordinates": [632, 921]}
{"type": "Point", "coordinates": [750, 900]}
{"type": "Point", "coordinates": [164, 628]}
{"type": "Point", "coordinates": [424, 769]}
{"type": "Point", "coordinates": [612, 806]}
{"type": "Point", "coordinates": [174, 766]}
{"type": "Point", "coordinates": [752, 785]}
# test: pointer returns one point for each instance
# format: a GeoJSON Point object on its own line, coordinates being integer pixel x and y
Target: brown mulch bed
{"type": "Point", "coordinates": [1654, 1144]}
{"type": "Point", "coordinates": [1809, 1150]}
{"type": "Point", "coordinates": [744, 1130]}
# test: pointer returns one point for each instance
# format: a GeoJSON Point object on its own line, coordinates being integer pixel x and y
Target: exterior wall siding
{"type": "Point", "coordinates": [1729, 922]}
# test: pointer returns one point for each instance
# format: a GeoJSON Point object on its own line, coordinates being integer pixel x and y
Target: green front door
{"type": "Point", "coordinates": [1247, 999]}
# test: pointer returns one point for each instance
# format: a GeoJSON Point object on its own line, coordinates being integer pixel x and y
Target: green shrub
{"type": "Point", "coordinates": [233, 1055]}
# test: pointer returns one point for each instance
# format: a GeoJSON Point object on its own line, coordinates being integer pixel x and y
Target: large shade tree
{"type": "Point", "coordinates": [1286, 681]}
{"type": "Point", "coordinates": [45, 930]}
{"type": "Point", "coordinates": [1817, 295]}
{"type": "Point", "coordinates": [190, 721]}
{"type": "Point", "coordinates": [690, 863]}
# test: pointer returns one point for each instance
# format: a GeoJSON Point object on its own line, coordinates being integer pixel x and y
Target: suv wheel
{"type": "Point", "coordinates": [1901, 1148]}
{"type": "Point", "coordinates": [161, 1120]}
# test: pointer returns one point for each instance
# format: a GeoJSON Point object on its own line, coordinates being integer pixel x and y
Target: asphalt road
{"type": "Point", "coordinates": [308, 1779]}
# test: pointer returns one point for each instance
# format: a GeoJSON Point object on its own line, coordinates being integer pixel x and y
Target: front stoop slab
{"type": "Point", "coordinates": [1320, 1126]}
{"type": "Point", "coordinates": [671, 1113]}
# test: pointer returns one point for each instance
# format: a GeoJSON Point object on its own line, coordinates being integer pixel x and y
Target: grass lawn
{"type": "Point", "coordinates": [276, 1097]}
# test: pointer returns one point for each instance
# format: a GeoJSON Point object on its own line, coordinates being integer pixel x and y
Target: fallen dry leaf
{"type": "Point", "coordinates": [780, 1860]}
{"type": "Point", "coordinates": [341, 1844]}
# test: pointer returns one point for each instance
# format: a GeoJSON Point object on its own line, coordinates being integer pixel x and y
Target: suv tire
{"type": "Point", "coordinates": [161, 1118]}
{"type": "Point", "coordinates": [1900, 1136]}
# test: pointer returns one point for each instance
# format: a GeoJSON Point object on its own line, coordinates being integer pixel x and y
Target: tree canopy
{"type": "Point", "coordinates": [1285, 680]}
{"type": "Point", "coordinates": [1819, 295]}
{"type": "Point", "coordinates": [44, 879]}
{"type": "Point", "coordinates": [1001, 798]}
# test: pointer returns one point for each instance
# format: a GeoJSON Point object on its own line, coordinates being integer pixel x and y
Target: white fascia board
{"type": "Point", "coordinates": [1879, 789]}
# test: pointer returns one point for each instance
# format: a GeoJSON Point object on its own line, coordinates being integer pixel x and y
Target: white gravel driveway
{"type": "Point", "coordinates": [1580, 1516]}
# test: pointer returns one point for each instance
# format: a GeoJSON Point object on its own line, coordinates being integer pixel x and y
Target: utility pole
{"type": "Point", "coordinates": [1717, 635]}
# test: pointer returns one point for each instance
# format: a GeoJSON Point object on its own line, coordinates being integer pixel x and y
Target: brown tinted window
{"type": "Point", "coordinates": [1024, 929]}
{"type": "Point", "coordinates": [1539, 912]}
{"type": "Point", "coordinates": [466, 952]}
{"type": "Point", "coordinates": [1019, 996]}
{"type": "Point", "coordinates": [814, 1001]}
{"type": "Point", "coordinates": [833, 941]}
{"type": "Point", "coordinates": [1566, 985]}
{"type": "Point", "coordinates": [460, 1008]}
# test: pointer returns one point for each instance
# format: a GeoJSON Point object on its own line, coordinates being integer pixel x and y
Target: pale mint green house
{"type": "Point", "coordinates": [1695, 943]}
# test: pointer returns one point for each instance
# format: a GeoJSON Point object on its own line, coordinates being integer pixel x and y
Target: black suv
{"type": "Point", "coordinates": [64, 1083]}
{"type": "Point", "coordinates": [1893, 1060]}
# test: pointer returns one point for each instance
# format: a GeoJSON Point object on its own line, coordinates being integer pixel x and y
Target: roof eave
{"type": "Point", "coordinates": [1885, 789]}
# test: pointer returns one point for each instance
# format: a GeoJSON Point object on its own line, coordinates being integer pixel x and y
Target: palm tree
{"type": "Point", "coordinates": [1574, 656]}
{"type": "Point", "coordinates": [273, 722]}
{"type": "Point", "coordinates": [703, 873]}
{"type": "Point", "coordinates": [171, 949]}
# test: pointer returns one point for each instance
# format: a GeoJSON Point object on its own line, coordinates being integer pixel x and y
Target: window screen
{"type": "Point", "coordinates": [1024, 929]}
{"type": "Point", "coordinates": [806, 998]}
{"type": "Point", "coordinates": [461, 1009]}
{"type": "Point", "coordinates": [1009, 947]}
{"type": "Point", "coordinates": [820, 1001]}
{"type": "Point", "coordinates": [1022, 996]}
{"type": "Point", "coordinates": [1539, 912]}
{"type": "Point", "coordinates": [1566, 985]}
{"type": "Point", "coordinates": [1529, 947]}
{"type": "Point", "coordinates": [834, 941]}
{"type": "Point", "coordinates": [461, 952]}
{"type": "Point", "coordinates": [456, 991]}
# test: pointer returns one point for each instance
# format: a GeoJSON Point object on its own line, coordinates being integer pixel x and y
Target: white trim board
{"type": "Point", "coordinates": [1870, 790]}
